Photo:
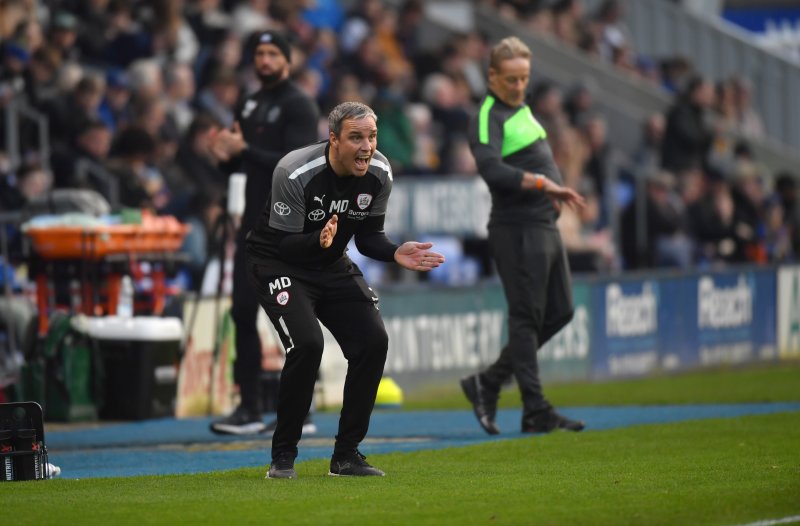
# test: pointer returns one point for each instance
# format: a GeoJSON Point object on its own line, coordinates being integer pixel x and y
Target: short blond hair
{"type": "Point", "coordinates": [506, 49]}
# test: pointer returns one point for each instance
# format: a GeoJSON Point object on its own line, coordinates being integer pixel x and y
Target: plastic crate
{"type": "Point", "coordinates": [23, 454]}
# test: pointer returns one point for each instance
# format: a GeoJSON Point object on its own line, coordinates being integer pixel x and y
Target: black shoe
{"type": "Point", "coordinates": [242, 421]}
{"type": "Point", "coordinates": [282, 467]}
{"type": "Point", "coordinates": [353, 465]}
{"type": "Point", "coordinates": [484, 403]}
{"type": "Point", "coordinates": [309, 427]}
{"type": "Point", "coordinates": [549, 420]}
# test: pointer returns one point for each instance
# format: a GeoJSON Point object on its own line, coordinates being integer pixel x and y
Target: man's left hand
{"type": "Point", "coordinates": [416, 256]}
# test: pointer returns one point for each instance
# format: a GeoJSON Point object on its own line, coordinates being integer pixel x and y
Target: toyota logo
{"type": "Point", "coordinates": [282, 209]}
{"type": "Point", "coordinates": [316, 215]}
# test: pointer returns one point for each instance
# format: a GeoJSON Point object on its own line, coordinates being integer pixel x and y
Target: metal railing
{"type": "Point", "coordinates": [16, 110]}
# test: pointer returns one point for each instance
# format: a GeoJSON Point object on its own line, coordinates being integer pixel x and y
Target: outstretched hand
{"type": "Point", "coordinates": [329, 232]}
{"type": "Point", "coordinates": [416, 256]}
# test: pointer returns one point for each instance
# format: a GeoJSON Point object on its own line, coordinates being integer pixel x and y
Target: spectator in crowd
{"type": "Point", "coordinates": [786, 194]}
{"type": "Point", "coordinates": [115, 109]}
{"type": "Point", "coordinates": [517, 165]}
{"type": "Point", "coordinates": [30, 182]}
{"type": "Point", "coordinates": [251, 16]}
{"type": "Point", "coordinates": [590, 247]}
{"type": "Point", "coordinates": [777, 233]}
{"type": "Point", "coordinates": [647, 157]}
{"type": "Point", "coordinates": [64, 35]}
{"type": "Point", "coordinates": [675, 73]}
{"type": "Point", "coordinates": [198, 191]}
{"type": "Point", "coordinates": [126, 40]}
{"type": "Point", "coordinates": [614, 35]}
{"type": "Point", "coordinates": [450, 116]}
{"type": "Point", "coordinates": [688, 137]}
{"type": "Point", "coordinates": [713, 221]}
{"type": "Point", "coordinates": [140, 186]}
{"type": "Point", "coordinates": [269, 123]}
{"type": "Point", "coordinates": [89, 146]}
{"type": "Point", "coordinates": [547, 104]}
{"type": "Point", "coordinates": [146, 78]}
{"type": "Point", "coordinates": [71, 111]}
{"type": "Point", "coordinates": [655, 226]}
{"type": "Point", "coordinates": [595, 132]}
{"type": "Point", "coordinates": [180, 92]}
{"type": "Point", "coordinates": [397, 136]}
{"type": "Point", "coordinates": [150, 114]}
{"type": "Point", "coordinates": [580, 101]}
{"type": "Point", "coordinates": [749, 123]}
{"type": "Point", "coordinates": [219, 97]}
{"type": "Point", "coordinates": [173, 38]}
{"type": "Point", "coordinates": [41, 86]}
{"type": "Point", "coordinates": [570, 23]}
{"type": "Point", "coordinates": [747, 190]}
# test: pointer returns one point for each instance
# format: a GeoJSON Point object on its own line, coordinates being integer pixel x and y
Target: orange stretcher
{"type": "Point", "coordinates": [155, 239]}
{"type": "Point", "coordinates": [155, 234]}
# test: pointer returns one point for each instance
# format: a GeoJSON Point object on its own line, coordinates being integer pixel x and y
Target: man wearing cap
{"type": "Point", "coordinates": [271, 122]}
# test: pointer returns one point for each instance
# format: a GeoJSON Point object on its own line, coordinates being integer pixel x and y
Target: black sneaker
{"type": "Point", "coordinates": [242, 421]}
{"type": "Point", "coordinates": [353, 465]}
{"type": "Point", "coordinates": [282, 467]}
{"type": "Point", "coordinates": [484, 403]}
{"type": "Point", "coordinates": [309, 427]}
{"type": "Point", "coordinates": [550, 420]}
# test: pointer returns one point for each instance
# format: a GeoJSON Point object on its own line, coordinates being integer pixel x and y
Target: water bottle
{"type": "Point", "coordinates": [6, 463]}
{"type": "Point", "coordinates": [125, 301]}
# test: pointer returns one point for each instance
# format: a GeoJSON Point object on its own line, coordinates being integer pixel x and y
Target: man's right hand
{"type": "Point", "coordinates": [227, 143]}
{"type": "Point", "coordinates": [554, 191]}
{"type": "Point", "coordinates": [328, 232]}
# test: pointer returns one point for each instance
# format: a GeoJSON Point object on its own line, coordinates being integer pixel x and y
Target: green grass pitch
{"type": "Point", "coordinates": [716, 472]}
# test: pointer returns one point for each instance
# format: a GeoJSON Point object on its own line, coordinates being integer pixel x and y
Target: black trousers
{"type": "Point", "coordinates": [533, 268]}
{"type": "Point", "coordinates": [294, 299]}
{"type": "Point", "coordinates": [244, 312]}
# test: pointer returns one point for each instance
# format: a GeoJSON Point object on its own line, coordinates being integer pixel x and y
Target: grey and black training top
{"type": "Point", "coordinates": [507, 141]}
{"type": "Point", "coordinates": [306, 192]}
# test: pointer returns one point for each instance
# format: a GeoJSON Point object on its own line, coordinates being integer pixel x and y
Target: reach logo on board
{"type": "Point", "coordinates": [720, 307]}
{"type": "Point", "coordinates": [631, 314]}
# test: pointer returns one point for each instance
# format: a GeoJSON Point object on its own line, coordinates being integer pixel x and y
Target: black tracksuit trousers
{"type": "Point", "coordinates": [244, 312]}
{"type": "Point", "coordinates": [339, 297]}
{"type": "Point", "coordinates": [533, 268]}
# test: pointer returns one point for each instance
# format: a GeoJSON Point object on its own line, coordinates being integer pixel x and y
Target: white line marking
{"type": "Point", "coordinates": [772, 522]}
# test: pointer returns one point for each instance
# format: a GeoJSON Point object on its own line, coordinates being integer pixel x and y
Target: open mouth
{"type": "Point", "coordinates": [362, 162]}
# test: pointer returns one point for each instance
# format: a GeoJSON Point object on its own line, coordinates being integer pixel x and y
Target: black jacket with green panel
{"type": "Point", "coordinates": [507, 141]}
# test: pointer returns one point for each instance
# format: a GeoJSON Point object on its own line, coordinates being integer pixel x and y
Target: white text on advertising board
{"type": "Point", "coordinates": [572, 342]}
{"type": "Point", "coordinates": [632, 314]}
{"type": "Point", "coordinates": [724, 307]}
{"type": "Point", "coordinates": [442, 342]}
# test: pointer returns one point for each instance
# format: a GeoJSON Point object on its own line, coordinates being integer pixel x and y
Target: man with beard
{"type": "Point", "coordinates": [278, 118]}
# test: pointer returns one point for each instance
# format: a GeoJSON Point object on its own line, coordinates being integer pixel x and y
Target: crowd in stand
{"type": "Point", "coordinates": [133, 90]}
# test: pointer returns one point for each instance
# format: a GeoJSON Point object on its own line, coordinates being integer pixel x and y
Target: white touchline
{"type": "Point", "coordinates": [286, 332]}
{"type": "Point", "coordinates": [772, 522]}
